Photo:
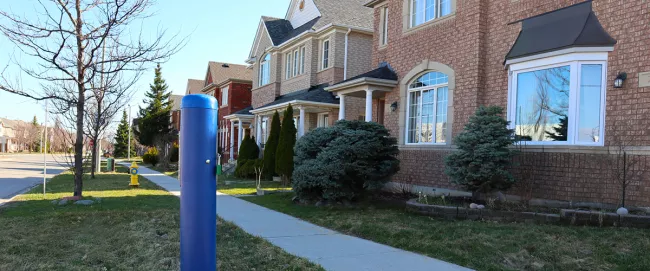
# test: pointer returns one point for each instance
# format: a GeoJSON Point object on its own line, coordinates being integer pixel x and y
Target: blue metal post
{"type": "Point", "coordinates": [198, 143]}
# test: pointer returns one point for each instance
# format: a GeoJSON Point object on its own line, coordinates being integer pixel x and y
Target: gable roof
{"type": "Point", "coordinates": [280, 30]}
{"type": "Point", "coordinates": [573, 26]}
{"type": "Point", "coordinates": [222, 72]}
{"type": "Point", "coordinates": [383, 72]}
{"type": "Point", "coordinates": [194, 86]}
{"type": "Point", "coordinates": [351, 13]}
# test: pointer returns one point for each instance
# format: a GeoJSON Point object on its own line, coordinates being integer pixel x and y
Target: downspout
{"type": "Point", "coordinates": [345, 58]}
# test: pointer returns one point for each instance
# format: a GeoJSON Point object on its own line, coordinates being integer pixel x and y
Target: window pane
{"type": "Point", "coordinates": [542, 110]}
{"type": "Point", "coordinates": [441, 115]}
{"type": "Point", "coordinates": [296, 58]}
{"type": "Point", "coordinates": [417, 15]}
{"type": "Point", "coordinates": [430, 10]}
{"type": "Point", "coordinates": [413, 117]}
{"type": "Point", "coordinates": [445, 7]}
{"type": "Point", "coordinates": [589, 108]}
{"type": "Point", "coordinates": [302, 60]}
{"type": "Point", "coordinates": [427, 116]}
{"type": "Point", "coordinates": [326, 54]}
{"type": "Point", "coordinates": [288, 65]}
{"type": "Point", "coordinates": [430, 79]}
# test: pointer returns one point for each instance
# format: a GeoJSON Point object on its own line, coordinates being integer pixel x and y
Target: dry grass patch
{"type": "Point", "coordinates": [480, 245]}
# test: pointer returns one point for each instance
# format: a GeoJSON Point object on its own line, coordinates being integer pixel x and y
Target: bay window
{"type": "Point", "coordinates": [426, 10]}
{"type": "Point", "coordinates": [427, 101]}
{"type": "Point", "coordinates": [559, 101]}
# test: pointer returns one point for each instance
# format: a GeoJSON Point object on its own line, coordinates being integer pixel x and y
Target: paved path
{"type": "Point", "coordinates": [18, 172]}
{"type": "Point", "coordinates": [330, 249]}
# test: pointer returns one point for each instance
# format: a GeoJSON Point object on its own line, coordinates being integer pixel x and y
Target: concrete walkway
{"type": "Point", "coordinates": [330, 249]}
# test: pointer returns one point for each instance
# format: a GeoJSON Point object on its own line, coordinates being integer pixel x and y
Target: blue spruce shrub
{"type": "Point", "coordinates": [344, 161]}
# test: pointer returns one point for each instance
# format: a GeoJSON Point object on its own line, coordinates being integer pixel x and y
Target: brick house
{"type": "Point", "coordinates": [230, 84]}
{"type": "Point", "coordinates": [318, 43]}
{"type": "Point", "coordinates": [552, 65]}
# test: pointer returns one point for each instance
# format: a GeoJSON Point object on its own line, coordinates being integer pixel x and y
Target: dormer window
{"type": "Point", "coordinates": [423, 11]}
{"type": "Point", "coordinates": [265, 70]}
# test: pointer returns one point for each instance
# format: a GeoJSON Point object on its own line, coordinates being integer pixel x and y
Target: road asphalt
{"type": "Point", "coordinates": [19, 172]}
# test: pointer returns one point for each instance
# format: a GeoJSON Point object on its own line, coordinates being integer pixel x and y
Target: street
{"type": "Point", "coordinates": [21, 171]}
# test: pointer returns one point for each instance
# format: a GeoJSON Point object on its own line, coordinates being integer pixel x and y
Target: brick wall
{"type": "Point", "coordinates": [331, 76]}
{"type": "Point", "coordinates": [265, 94]}
{"type": "Point", "coordinates": [360, 55]}
{"type": "Point", "coordinates": [474, 41]}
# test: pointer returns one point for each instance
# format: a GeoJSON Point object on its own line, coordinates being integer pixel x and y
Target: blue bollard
{"type": "Point", "coordinates": [198, 143]}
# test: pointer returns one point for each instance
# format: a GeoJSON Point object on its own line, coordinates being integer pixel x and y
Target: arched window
{"type": "Point", "coordinates": [265, 71]}
{"type": "Point", "coordinates": [426, 113]}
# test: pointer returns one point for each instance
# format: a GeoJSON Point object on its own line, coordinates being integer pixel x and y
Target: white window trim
{"type": "Point", "coordinates": [288, 64]}
{"type": "Point", "coordinates": [435, 110]}
{"type": "Point", "coordinates": [303, 51]}
{"type": "Point", "coordinates": [224, 100]}
{"type": "Point", "coordinates": [296, 62]}
{"type": "Point", "coordinates": [437, 11]}
{"type": "Point", "coordinates": [384, 30]}
{"type": "Point", "coordinates": [261, 71]}
{"type": "Point", "coordinates": [575, 60]}
{"type": "Point", "coordinates": [329, 45]}
{"type": "Point", "coordinates": [321, 120]}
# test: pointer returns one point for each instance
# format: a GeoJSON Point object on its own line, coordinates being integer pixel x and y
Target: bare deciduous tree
{"type": "Point", "coordinates": [66, 40]}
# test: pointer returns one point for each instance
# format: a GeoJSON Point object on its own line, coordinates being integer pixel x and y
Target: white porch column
{"type": "Point", "coordinates": [258, 130]}
{"type": "Point", "coordinates": [341, 107]}
{"type": "Point", "coordinates": [301, 122]}
{"type": "Point", "coordinates": [232, 140]}
{"type": "Point", "coordinates": [240, 135]}
{"type": "Point", "coordinates": [368, 105]}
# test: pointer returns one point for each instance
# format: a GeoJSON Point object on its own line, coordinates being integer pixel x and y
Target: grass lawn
{"type": "Point", "coordinates": [480, 245]}
{"type": "Point", "coordinates": [245, 187]}
{"type": "Point", "coordinates": [131, 229]}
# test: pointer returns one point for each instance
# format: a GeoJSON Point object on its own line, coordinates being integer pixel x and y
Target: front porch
{"type": "Point", "coordinates": [240, 123]}
{"type": "Point", "coordinates": [371, 86]}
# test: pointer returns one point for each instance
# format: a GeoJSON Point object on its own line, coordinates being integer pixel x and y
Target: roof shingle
{"type": "Point", "coordinates": [222, 72]}
{"type": "Point", "coordinates": [314, 94]}
{"type": "Point", "coordinates": [194, 86]}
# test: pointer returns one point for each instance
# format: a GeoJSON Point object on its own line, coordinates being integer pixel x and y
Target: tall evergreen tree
{"type": "Point", "coordinates": [284, 153]}
{"type": "Point", "coordinates": [122, 138]}
{"type": "Point", "coordinates": [36, 135]}
{"type": "Point", "coordinates": [271, 146]}
{"type": "Point", "coordinates": [154, 123]}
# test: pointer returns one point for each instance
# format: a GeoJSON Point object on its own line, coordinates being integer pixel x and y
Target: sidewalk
{"type": "Point", "coordinates": [330, 249]}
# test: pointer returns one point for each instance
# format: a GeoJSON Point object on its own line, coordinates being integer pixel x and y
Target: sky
{"type": "Point", "coordinates": [217, 30]}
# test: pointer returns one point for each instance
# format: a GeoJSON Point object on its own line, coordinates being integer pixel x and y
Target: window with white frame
{"type": "Point", "coordinates": [224, 96]}
{"type": "Point", "coordinates": [559, 101]}
{"type": "Point", "coordinates": [265, 70]}
{"type": "Point", "coordinates": [323, 120]}
{"type": "Point", "coordinates": [288, 65]}
{"type": "Point", "coordinates": [384, 26]}
{"type": "Point", "coordinates": [302, 60]}
{"type": "Point", "coordinates": [265, 131]}
{"type": "Point", "coordinates": [296, 62]}
{"type": "Point", "coordinates": [423, 11]}
{"type": "Point", "coordinates": [426, 114]}
{"type": "Point", "coordinates": [326, 54]}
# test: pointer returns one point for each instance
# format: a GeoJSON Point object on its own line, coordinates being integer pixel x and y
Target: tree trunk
{"type": "Point", "coordinates": [79, 144]}
{"type": "Point", "coordinates": [93, 167]}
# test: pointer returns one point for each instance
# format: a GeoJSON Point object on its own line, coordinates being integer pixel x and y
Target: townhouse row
{"type": "Point", "coordinates": [572, 76]}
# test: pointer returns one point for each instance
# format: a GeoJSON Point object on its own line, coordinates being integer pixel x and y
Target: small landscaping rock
{"type": "Point", "coordinates": [480, 206]}
{"type": "Point", "coordinates": [473, 206]}
{"type": "Point", "coordinates": [295, 199]}
{"type": "Point", "coordinates": [622, 211]}
{"type": "Point", "coordinates": [84, 202]}
{"type": "Point", "coordinates": [55, 202]}
{"type": "Point", "coordinates": [320, 203]}
{"type": "Point", "coordinates": [98, 200]}
{"type": "Point", "coordinates": [63, 202]}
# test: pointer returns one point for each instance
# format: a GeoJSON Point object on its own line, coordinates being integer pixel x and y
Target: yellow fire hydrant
{"type": "Point", "coordinates": [134, 175]}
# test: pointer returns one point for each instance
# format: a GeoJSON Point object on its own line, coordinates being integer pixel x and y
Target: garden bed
{"type": "Point", "coordinates": [533, 215]}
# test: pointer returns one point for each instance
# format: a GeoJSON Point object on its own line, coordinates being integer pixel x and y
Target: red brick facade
{"type": "Point", "coordinates": [239, 97]}
{"type": "Point", "coordinates": [474, 40]}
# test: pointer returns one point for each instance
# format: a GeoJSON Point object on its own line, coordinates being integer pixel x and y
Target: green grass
{"type": "Point", "coordinates": [245, 187]}
{"type": "Point", "coordinates": [131, 229]}
{"type": "Point", "coordinates": [480, 245]}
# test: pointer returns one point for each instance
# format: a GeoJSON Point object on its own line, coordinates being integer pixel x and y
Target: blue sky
{"type": "Point", "coordinates": [218, 30]}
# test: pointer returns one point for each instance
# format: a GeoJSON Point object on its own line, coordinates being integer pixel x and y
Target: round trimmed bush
{"type": "Point", "coordinates": [344, 161]}
{"type": "Point", "coordinates": [151, 156]}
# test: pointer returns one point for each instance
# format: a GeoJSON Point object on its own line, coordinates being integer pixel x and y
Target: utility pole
{"type": "Point", "coordinates": [45, 151]}
{"type": "Point", "coordinates": [129, 150]}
